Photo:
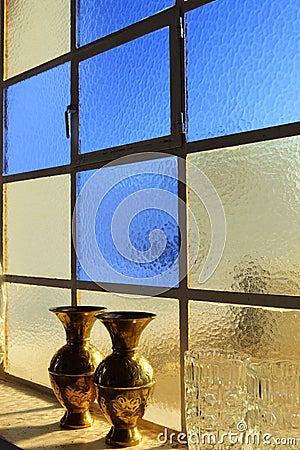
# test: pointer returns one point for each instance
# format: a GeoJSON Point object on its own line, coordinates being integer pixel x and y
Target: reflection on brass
{"type": "Point", "coordinates": [124, 379]}
{"type": "Point", "coordinates": [72, 368]}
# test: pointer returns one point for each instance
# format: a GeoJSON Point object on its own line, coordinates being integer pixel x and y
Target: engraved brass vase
{"type": "Point", "coordinates": [72, 367]}
{"type": "Point", "coordinates": [124, 379]}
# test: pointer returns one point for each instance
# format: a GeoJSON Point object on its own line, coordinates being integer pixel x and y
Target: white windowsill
{"type": "Point", "coordinates": [30, 420]}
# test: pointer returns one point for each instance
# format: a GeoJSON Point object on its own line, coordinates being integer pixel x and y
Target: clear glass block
{"type": "Point", "coordinates": [112, 15]}
{"type": "Point", "coordinates": [37, 227]}
{"type": "Point", "coordinates": [34, 126]}
{"type": "Point", "coordinates": [273, 398]}
{"type": "Point", "coordinates": [124, 94]}
{"type": "Point", "coordinates": [33, 333]}
{"type": "Point", "coordinates": [258, 189]}
{"type": "Point", "coordinates": [242, 66]}
{"type": "Point", "coordinates": [263, 333]}
{"type": "Point", "coordinates": [159, 343]}
{"type": "Point", "coordinates": [36, 31]}
{"type": "Point", "coordinates": [127, 224]}
{"type": "Point", "coordinates": [215, 393]}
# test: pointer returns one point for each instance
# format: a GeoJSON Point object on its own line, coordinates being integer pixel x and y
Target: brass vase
{"type": "Point", "coordinates": [72, 367]}
{"type": "Point", "coordinates": [124, 379]}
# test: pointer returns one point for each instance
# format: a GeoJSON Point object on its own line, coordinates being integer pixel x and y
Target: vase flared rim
{"type": "Point", "coordinates": [125, 315]}
{"type": "Point", "coordinates": [77, 309]}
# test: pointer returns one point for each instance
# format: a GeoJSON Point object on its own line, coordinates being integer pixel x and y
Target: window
{"type": "Point", "coordinates": [150, 161]}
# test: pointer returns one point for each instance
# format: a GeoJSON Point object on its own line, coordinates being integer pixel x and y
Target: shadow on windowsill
{"type": "Point", "coordinates": [4, 445]}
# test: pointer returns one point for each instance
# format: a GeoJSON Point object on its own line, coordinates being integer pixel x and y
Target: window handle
{"type": "Point", "coordinates": [71, 109]}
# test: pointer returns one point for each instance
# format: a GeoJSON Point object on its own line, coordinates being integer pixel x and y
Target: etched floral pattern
{"type": "Point", "coordinates": [126, 408]}
{"type": "Point", "coordinates": [78, 394]}
{"type": "Point", "coordinates": [78, 397]}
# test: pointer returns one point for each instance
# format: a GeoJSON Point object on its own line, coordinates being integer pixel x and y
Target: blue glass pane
{"type": "Point", "coordinates": [34, 128]}
{"type": "Point", "coordinates": [243, 66]}
{"type": "Point", "coordinates": [125, 94]}
{"type": "Point", "coordinates": [127, 224]}
{"type": "Point", "coordinates": [112, 15]}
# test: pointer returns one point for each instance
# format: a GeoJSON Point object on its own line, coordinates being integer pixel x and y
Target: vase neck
{"type": "Point", "coordinates": [77, 341]}
{"type": "Point", "coordinates": [125, 334]}
{"type": "Point", "coordinates": [124, 351]}
{"type": "Point", "coordinates": [78, 326]}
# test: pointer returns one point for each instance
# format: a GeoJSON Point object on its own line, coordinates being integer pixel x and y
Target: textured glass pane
{"type": "Point", "coordinates": [159, 343]}
{"type": "Point", "coordinates": [125, 94]}
{"type": "Point", "coordinates": [263, 333]}
{"type": "Point", "coordinates": [34, 334]}
{"type": "Point", "coordinates": [243, 66]}
{"type": "Point", "coordinates": [37, 227]}
{"type": "Point", "coordinates": [36, 31]}
{"type": "Point", "coordinates": [34, 127]}
{"type": "Point", "coordinates": [258, 185]}
{"type": "Point", "coordinates": [112, 15]}
{"type": "Point", "coordinates": [127, 228]}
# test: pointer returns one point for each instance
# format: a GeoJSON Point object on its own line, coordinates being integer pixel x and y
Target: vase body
{"type": "Point", "coordinates": [124, 379]}
{"type": "Point", "coordinates": [72, 368]}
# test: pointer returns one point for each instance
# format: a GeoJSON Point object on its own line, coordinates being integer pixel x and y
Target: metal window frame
{"type": "Point", "coordinates": [175, 145]}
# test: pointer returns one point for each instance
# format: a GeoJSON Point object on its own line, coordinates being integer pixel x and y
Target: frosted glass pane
{"type": "Point", "coordinates": [33, 333]}
{"type": "Point", "coordinates": [36, 31]}
{"type": "Point", "coordinates": [34, 133]}
{"type": "Point", "coordinates": [243, 66]}
{"type": "Point", "coordinates": [258, 185]}
{"type": "Point", "coordinates": [127, 227]}
{"type": "Point", "coordinates": [263, 333]}
{"type": "Point", "coordinates": [125, 94]}
{"type": "Point", "coordinates": [37, 222]}
{"type": "Point", "coordinates": [112, 15]}
{"type": "Point", "coordinates": [159, 343]}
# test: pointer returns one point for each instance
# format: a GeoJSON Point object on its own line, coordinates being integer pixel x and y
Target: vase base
{"type": "Point", "coordinates": [76, 420]}
{"type": "Point", "coordinates": [123, 437]}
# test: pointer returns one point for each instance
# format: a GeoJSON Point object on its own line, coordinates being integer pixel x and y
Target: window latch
{"type": "Point", "coordinates": [180, 123]}
{"type": "Point", "coordinates": [71, 109]}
